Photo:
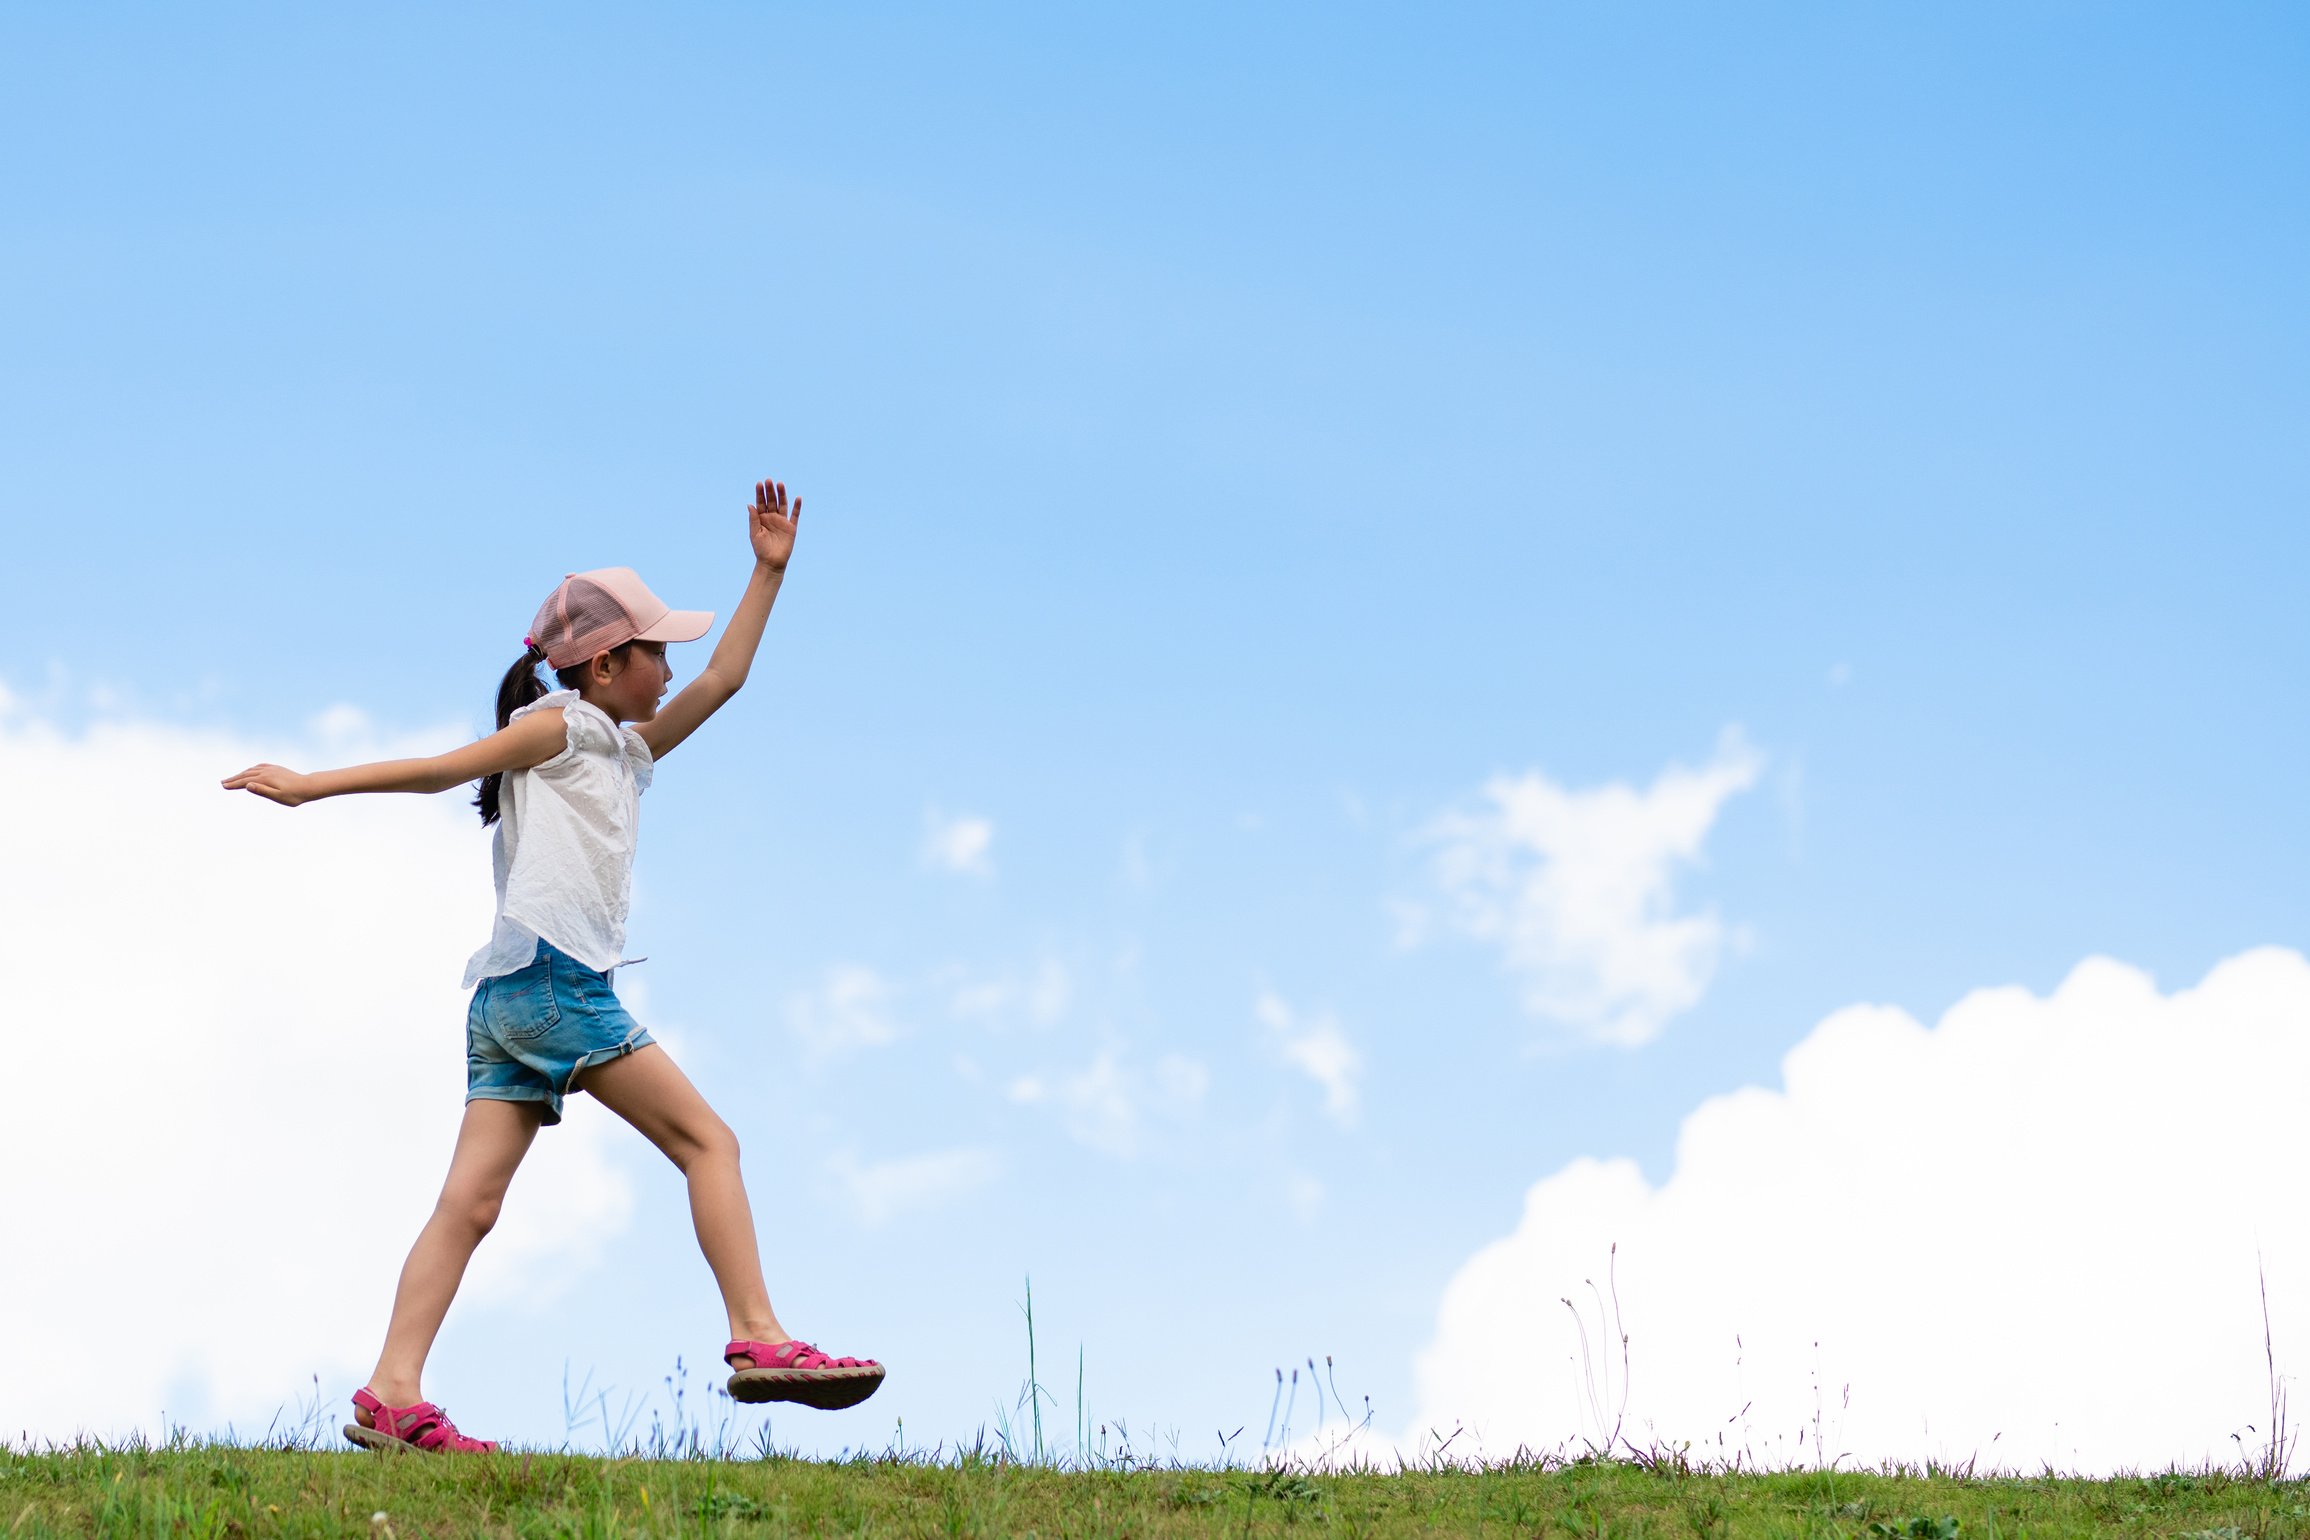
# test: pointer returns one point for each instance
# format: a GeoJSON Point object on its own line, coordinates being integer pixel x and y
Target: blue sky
{"type": "Point", "coordinates": [1228, 440]}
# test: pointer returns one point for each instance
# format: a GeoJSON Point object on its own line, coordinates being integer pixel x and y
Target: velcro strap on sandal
{"type": "Point", "coordinates": [793, 1353]}
{"type": "Point", "coordinates": [413, 1423]}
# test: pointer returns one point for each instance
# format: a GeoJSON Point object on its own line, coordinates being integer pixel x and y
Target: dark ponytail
{"type": "Point", "coordinates": [518, 688]}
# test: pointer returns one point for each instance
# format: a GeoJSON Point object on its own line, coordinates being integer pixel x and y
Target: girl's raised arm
{"type": "Point", "coordinates": [770, 527]}
{"type": "Point", "coordinates": [529, 742]}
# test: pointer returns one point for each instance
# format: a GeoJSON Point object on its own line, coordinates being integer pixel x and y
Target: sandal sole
{"type": "Point", "coordinates": [370, 1438]}
{"type": "Point", "coordinates": [827, 1390]}
{"type": "Point", "coordinates": [386, 1443]}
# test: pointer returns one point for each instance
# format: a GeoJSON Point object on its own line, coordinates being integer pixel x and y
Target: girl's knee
{"type": "Point", "coordinates": [711, 1140]}
{"type": "Point", "coordinates": [474, 1212]}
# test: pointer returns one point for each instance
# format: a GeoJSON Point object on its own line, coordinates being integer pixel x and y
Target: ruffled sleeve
{"type": "Point", "coordinates": [590, 731]}
{"type": "Point", "coordinates": [549, 702]}
{"type": "Point", "coordinates": [581, 730]}
{"type": "Point", "coordinates": [638, 758]}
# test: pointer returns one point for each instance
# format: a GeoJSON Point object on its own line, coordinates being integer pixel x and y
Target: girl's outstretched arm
{"type": "Point", "coordinates": [529, 742]}
{"type": "Point", "coordinates": [770, 526]}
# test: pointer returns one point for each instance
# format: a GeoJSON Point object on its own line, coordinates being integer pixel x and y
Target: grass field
{"type": "Point", "coordinates": [208, 1489]}
{"type": "Point", "coordinates": [687, 1473]}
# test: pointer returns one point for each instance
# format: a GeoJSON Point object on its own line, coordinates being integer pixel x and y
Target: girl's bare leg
{"type": "Point", "coordinates": [647, 1090]}
{"type": "Point", "coordinates": [490, 1144]}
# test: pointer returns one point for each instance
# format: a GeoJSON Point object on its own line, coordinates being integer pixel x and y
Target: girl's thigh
{"type": "Point", "coordinates": [649, 1090]}
{"type": "Point", "coordinates": [491, 1141]}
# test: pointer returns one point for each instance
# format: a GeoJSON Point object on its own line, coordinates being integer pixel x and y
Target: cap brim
{"type": "Point", "coordinates": [679, 626]}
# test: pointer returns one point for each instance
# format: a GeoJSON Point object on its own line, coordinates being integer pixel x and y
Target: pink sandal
{"type": "Point", "coordinates": [793, 1370]}
{"type": "Point", "coordinates": [420, 1426]}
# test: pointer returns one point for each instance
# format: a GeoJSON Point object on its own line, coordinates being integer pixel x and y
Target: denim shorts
{"type": "Point", "coordinates": [529, 1032]}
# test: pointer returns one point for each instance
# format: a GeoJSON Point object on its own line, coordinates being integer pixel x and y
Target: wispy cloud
{"type": "Point", "coordinates": [1318, 1048]}
{"type": "Point", "coordinates": [1108, 1104]}
{"type": "Point", "coordinates": [964, 843]}
{"type": "Point", "coordinates": [848, 1011]}
{"type": "Point", "coordinates": [1304, 1194]}
{"type": "Point", "coordinates": [1137, 869]}
{"type": "Point", "coordinates": [1576, 888]}
{"type": "Point", "coordinates": [1039, 997]}
{"type": "Point", "coordinates": [879, 1190]}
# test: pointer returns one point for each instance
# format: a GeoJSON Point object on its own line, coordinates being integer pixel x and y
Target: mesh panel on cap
{"type": "Point", "coordinates": [580, 619]}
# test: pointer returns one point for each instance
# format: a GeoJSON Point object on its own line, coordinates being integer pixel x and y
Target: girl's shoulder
{"type": "Point", "coordinates": [591, 731]}
{"type": "Point", "coordinates": [552, 701]}
{"type": "Point", "coordinates": [588, 729]}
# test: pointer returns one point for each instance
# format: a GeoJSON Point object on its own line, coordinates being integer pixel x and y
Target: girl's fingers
{"type": "Point", "coordinates": [770, 501]}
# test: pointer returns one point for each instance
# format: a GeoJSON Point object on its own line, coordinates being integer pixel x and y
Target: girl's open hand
{"type": "Point", "coordinates": [273, 783]}
{"type": "Point", "coordinates": [771, 524]}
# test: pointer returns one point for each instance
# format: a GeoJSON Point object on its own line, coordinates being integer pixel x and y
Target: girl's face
{"type": "Point", "coordinates": [628, 684]}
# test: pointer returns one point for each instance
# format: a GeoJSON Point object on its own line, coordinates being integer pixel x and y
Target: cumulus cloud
{"type": "Point", "coordinates": [1317, 1048]}
{"type": "Point", "coordinates": [223, 1010]}
{"type": "Point", "coordinates": [847, 1012]}
{"type": "Point", "coordinates": [1576, 888]}
{"type": "Point", "coordinates": [1109, 1104]}
{"type": "Point", "coordinates": [877, 1190]}
{"type": "Point", "coordinates": [2030, 1234]}
{"type": "Point", "coordinates": [961, 844]}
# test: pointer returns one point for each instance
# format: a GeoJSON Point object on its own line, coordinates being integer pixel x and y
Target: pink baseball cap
{"type": "Point", "coordinates": [608, 607]}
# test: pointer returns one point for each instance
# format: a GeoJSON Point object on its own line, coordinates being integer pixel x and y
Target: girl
{"type": "Point", "coordinates": [561, 779]}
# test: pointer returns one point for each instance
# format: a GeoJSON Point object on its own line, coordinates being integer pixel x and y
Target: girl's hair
{"type": "Point", "coordinates": [518, 688]}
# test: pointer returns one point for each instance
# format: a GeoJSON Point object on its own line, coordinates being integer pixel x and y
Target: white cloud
{"type": "Point", "coordinates": [1318, 1048]}
{"type": "Point", "coordinates": [962, 844]}
{"type": "Point", "coordinates": [848, 1011]}
{"type": "Point", "coordinates": [2028, 1234]}
{"type": "Point", "coordinates": [234, 1075]}
{"type": "Point", "coordinates": [878, 1190]}
{"type": "Point", "coordinates": [1108, 1104]}
{"type": "Point", "coordinates": [1576, 889]}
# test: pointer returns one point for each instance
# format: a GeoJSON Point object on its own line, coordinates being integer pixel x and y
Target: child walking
{"type": "Point", "coordinates": [562, 779]}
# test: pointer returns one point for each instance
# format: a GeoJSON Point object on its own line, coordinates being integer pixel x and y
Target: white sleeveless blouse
{"type": "Point", "coordinates": [564, 854]}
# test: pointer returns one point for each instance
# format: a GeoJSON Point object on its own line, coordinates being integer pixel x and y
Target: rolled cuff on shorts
{"type": "Point", "coordinates": [529, 1033]}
